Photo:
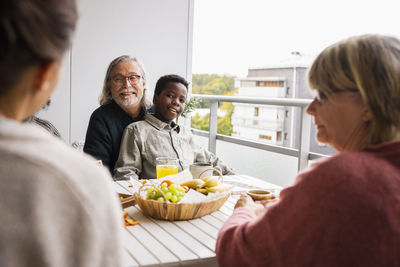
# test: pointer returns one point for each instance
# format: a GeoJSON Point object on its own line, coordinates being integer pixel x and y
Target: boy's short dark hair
{"type": "Point", "coordinates": [164, 80]}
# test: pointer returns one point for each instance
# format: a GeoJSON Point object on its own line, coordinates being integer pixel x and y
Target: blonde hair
{"type": "Point", "coordinates": [371, 64]}
{"type": "Point", "coordinates": [106, 97]}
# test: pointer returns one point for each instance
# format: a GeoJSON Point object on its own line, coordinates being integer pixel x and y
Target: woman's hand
{"type": "Point", "coordinates": [247, 202]}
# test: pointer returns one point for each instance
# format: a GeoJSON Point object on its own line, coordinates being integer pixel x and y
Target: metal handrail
{"type": "Point", "coordinates": [303, 153]}
{"type": "Point", "coordinates": [291, 102]}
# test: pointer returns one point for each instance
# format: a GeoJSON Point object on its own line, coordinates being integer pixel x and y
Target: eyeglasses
{"type": "Point", "coordinates": [120, 80]}
{"type": "Point", "coordinates": [321, 97]}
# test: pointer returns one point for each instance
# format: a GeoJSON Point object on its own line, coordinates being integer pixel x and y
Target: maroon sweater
{"type": "Point", "coordinates": [343, 211]}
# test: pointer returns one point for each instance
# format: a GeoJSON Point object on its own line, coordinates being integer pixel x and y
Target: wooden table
{"type": "Point", "coordinates": [189, 243]}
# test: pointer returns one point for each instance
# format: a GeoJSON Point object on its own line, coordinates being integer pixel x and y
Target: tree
{"type": "Point", "coordinates": [214, 84]}
{"type": "Point", "coordinates": [215, 87]}
{"type": "Point", "coordinates": [201, 81]}
{"type": "Point", "coordinates": [225, 125]}
{"type": "Point", "coordinates": [200, 123]}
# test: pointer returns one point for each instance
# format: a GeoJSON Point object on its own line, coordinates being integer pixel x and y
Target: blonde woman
{"type": "Point", "coordinates": [345, 210]}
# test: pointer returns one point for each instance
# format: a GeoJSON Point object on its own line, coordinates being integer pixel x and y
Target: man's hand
{"type": "Point", "coordinates": [247, 202]}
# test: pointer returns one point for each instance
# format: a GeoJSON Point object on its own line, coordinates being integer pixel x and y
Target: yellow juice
{"type": "Point", "coordinates": [164, 170]}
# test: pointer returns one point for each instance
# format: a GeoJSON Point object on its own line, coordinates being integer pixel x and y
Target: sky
{"type": "Point", "coordinates": [229, 36]}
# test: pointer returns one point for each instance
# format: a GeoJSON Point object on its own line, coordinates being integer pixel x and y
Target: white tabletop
{"type": "Point", "coordinates": [156, 242]}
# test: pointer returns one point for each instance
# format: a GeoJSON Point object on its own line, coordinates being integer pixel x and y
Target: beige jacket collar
{"type": "Point", "coordinates": [158, 124]}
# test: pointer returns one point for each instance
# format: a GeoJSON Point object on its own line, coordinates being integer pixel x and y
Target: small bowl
{"type": "Point", "coordinates": [257, 195]}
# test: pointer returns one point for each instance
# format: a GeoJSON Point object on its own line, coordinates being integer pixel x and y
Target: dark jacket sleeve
{"type": "Point", "coordinates": [98, 141]}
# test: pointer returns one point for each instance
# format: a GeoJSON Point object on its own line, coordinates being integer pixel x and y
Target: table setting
{"type": "Point", "coordinates": [160, 241]}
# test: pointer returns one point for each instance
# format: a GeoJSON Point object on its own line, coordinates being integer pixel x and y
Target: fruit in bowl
{"type": "Point", "coordinates": [211, 184]}
{"type": "Point", "coordinates": [166, 192]}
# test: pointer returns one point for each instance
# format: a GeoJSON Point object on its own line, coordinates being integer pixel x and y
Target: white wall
{"type": "Point", "coordinates": [59, 111]}
{"type": "Point", "coordinates": [156, 31]}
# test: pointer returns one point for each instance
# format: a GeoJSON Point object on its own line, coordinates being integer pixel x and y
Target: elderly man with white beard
{"type": "Point", "coordinates": [122, 102]}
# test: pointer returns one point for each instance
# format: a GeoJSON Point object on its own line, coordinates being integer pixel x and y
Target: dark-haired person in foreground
{"type": "Point", "coordinates": [160, 136]}
{"type": "Point", "coordinates": [57, 206]}
{"type": "Point", "coordinates": [343, 210]}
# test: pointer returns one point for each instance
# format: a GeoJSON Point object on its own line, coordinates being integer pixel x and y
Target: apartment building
{"type": "Point", "coordinates": [275, 125]}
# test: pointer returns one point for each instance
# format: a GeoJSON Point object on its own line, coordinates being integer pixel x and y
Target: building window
{"type": "Point", "coordinates": [279, 136]}
{"type": "Point", "coordinates": [247, 84]}
{"type": "Point", "coordinates": [270, 83]}
{"type": "Point", "coordinates": [266, 137]}
{"type": "Point", "coordinates": [256, 111]}
{"type": "Point", "coordinates": [286, 136]}
{"type": "Point", "coordinates": [286, 113]}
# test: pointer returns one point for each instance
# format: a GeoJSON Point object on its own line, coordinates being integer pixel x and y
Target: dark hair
{"type": "Point", "coordinates": [33, 32]}
{"type": "Point", "coordinates": [164, 80]}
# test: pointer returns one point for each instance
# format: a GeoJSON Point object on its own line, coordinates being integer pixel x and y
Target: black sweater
{"type": "Point", "coordinates": [105, 130]}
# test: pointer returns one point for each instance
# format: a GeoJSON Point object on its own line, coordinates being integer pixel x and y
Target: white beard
{"type": "Point", "coordinates": [127, 103]}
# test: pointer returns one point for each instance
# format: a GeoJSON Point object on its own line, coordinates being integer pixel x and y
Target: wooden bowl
{"type": "Point", "coordinates": [258, 195]}
{"type": "Point", "coordinates": [180, 211]}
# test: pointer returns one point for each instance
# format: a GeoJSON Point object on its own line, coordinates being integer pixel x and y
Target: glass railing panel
{"type": "Point", "coordinates": [268, 166]}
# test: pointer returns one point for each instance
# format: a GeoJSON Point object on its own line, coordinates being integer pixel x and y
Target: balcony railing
{"type": "Point", "coordinates": [303, 153]}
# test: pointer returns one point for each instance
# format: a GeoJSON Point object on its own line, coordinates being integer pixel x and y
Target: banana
{"type": "Point", "coordinates": [210, 182]}
{"type": "Point", "coordinates": [193, 183]}
{"type": "Point", "coordinates": [206, 178]}
{"type": "Point", "coordinates": [220, 188]}
{"type": "Point", "coordinates": [202, 190]}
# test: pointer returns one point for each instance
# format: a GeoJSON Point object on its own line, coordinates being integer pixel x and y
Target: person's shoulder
{"type": "Point", "coordinates": [103, 109]}
{"type": "Point", "coordinates": [349, 162]}
{"type": "Point", "coordinates": [137, 125]}
{"type": "Point", "coordinates": [342, 170]}
{"type": "Point", "coordinates": [339, 162]}
{"type": "Point", "coordinates": [139, 129]}
{"type": "Point", "coordinates": [105, 114]}
{"type": "Point", "coordinates": [49, 154]}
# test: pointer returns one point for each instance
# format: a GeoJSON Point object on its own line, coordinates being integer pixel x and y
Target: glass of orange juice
{"type": "Point", "coordinates": [166, 166]}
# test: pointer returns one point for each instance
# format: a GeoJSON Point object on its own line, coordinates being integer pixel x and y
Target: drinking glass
{"type": "Point", "coordinates": [166, 166]}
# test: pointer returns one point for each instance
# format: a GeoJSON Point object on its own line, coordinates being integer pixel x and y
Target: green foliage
{"type": "Point", "coordinates": [190, 106]}
{"type": "Point", "coordinates": [228, 106]}
{"type": "Point", "coordinates": [199, 81]}
{"type": "Point", "coordinates": [215, 87]}
{"type": "Point", "coordinates": [224, 124]}
{"type": "Point", "coordinates": [214, 84]}
{"type": "Point", "coordinates": [200, 123]}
